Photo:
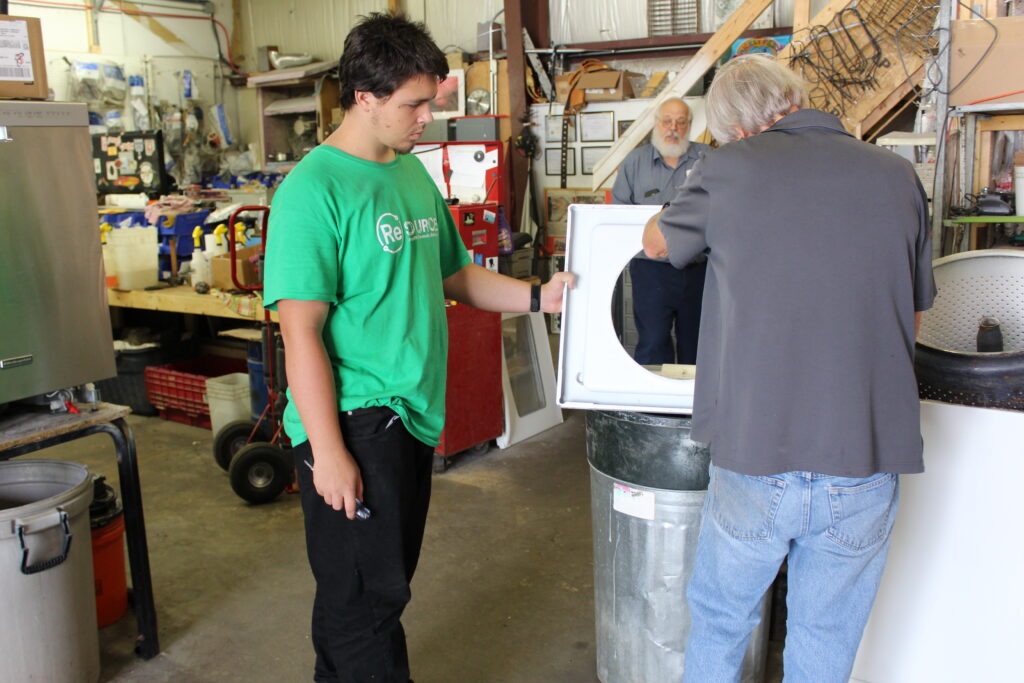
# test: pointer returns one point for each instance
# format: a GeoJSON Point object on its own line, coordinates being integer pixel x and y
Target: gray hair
{"type": "Point", "coordinates": [749, 93]}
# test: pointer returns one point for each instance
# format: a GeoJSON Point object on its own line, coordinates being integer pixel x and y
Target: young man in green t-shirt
{"type": "Point", "coordinates": [362, 253]}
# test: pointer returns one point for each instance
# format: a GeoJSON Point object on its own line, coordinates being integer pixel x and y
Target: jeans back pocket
{"type": "Point", "coordinates": [863, 514]}
{"type": "Point", "coordinates": [745, 506]}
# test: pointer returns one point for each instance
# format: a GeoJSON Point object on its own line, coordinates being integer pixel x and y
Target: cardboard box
{"type": "Point", "coordinates": [247, 271]}
{"type": "Point", "coordinates": [607, 86]}
{"type": "Point", "coordinates": [1000, 71]}
{"type": "Point", "coordinates": [518, 264]}
{"type": "Point", "coordinates": [562, 87]}
{"type": "Point", "coordinates": [26, 63]}
{"type": "Point", "coordinates": [263, 62]}
{"type": "Point", "coordinates": [455, 60]}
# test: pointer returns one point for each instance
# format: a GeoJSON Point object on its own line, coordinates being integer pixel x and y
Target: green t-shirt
{"type": "Point", "coordinates": [375, 241]}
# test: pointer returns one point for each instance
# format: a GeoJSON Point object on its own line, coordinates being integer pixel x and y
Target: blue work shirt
{"type": "Point", "coordinates": [645, 178]}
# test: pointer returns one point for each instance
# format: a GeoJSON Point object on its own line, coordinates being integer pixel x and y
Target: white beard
{"type": "Point", "coordinates": [670, 150]}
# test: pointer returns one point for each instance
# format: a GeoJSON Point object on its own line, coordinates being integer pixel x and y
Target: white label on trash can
{"type": "Point", "coordinates": [633, 502]}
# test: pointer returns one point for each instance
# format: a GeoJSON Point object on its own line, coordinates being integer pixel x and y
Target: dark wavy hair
{"type": "Point", "coordinates": [382, 52]}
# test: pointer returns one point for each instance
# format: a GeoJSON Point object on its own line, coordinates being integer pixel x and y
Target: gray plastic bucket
{"type": "Point", "coordinates": [648, 481]}
{"type": "Point", "coordinates": [48, 621]}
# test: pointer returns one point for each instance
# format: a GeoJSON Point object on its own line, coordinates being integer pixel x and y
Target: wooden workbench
{"type": "Point", "coordinates": [183, 300]}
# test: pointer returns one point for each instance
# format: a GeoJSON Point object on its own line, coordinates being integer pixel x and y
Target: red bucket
{"type": "Point", "coordinates": [108, 569]}
{"type": "Point", "coordinates": [108, 572]}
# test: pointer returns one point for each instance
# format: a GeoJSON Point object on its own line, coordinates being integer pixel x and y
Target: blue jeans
{"type": "Point", "coordinates": [836, 533]}
{"type": "Point", "coordinates": [666, 298]}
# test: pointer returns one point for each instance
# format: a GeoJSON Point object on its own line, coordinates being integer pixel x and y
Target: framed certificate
{"type": "Point", "coordinates": [553, 161]}
{"type": "Point", "coordinates": [589, 156]}
{"type": "Point", "coordinates": [553, 128]}
{"type": "Point", "coordinates": [597, 126]}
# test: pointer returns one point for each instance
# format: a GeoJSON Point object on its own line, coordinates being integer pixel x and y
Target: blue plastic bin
{"type": "Point", "coordinates": [180, 226]}
{"type": "Point", "coordinates": [257, 382]}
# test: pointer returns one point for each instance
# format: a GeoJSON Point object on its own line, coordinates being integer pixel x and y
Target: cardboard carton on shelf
{"type": "Point", "coordinates": [246, 269]}
{"type": "Point", "coordinates": [562, 87]}
{"type": "Point", "coordinates": [981, 65]}
{"type": "Point", "coordinates": [607, 86]}
{"type": "Point", "coordinates": [599, 86]}
{"type": "Point", "coordinates": [28, 65]}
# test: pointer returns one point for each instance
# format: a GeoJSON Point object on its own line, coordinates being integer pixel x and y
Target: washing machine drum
{"type": "Point", "coordinates": [972, 287]}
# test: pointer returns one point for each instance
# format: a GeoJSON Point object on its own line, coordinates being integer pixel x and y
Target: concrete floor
{"type": "Point", "coordinates": [504, 590]}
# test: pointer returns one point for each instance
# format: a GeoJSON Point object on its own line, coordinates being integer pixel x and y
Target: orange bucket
{"type": "Point", "coordinates": [109, 572]}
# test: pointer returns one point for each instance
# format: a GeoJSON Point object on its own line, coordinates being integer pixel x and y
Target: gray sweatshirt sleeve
{"type": "Point", "coordinates": [924, 280]}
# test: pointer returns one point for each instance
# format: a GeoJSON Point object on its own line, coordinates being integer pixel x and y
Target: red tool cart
{"type": "Point", "coordinates": [473, 404]}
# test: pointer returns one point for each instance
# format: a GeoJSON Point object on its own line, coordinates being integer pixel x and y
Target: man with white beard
{"type": "Point", "coordinates": [663, 297]}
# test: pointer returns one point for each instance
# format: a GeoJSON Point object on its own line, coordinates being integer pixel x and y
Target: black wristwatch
{"type": "Point", "coordinates": [534, 298]}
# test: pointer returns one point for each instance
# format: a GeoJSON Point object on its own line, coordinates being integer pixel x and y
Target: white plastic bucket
{"type": "Point", "coordinates": [228, 398]}
{"type": "Point", "coordinates": [48, 627]}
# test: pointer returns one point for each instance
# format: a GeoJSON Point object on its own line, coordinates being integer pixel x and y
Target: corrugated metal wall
{"type": "Point", "coordinates": [583, 21]}
{"type": "Point", "coordinates": [320, 26]}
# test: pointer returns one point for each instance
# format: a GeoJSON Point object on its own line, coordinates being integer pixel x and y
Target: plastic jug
{"type": "Point", "coordinates": [135, 252]}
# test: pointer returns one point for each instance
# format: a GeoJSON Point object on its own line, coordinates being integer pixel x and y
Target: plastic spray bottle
{"type": "Point", "coordinates": [200, 263]}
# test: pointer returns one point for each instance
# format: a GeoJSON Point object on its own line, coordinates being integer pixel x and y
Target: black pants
{"type": "Point", "coordinates": [665, 297]}
{"type": "Point", "coordinates": [363, 567]}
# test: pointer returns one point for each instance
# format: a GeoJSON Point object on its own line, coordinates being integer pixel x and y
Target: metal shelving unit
{"type": "Point", "coordinates": [970, 115]}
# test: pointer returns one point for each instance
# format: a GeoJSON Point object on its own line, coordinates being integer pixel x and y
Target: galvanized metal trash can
{"type": "Point", "coordinates": [48, 627]}
{"type": "Point", "coordinates": [648, 481]}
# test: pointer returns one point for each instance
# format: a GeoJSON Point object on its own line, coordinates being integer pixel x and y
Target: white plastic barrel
{"type": "Point", "coordinates": [48, 630]}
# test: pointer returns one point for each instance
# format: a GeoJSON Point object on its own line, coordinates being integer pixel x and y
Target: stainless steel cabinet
{"type": "Point", "coordinates": [54, 323]}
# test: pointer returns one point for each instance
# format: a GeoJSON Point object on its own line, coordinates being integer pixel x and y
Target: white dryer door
{"type": "Point", "coordinates": [594, 370]}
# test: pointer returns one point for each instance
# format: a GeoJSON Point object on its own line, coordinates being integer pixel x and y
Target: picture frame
{"type": "Point", "coordinates": [553, 161]}
{"type": "Point", "coordinates": [557, 201]}
{"type": "Point", "coordinates": [553, 128]}
{"type": "Point", "coordinates": [589, 156]}
{"type": "Point", "coordinates": [622, 126]}
{"type": "Point", "coordinates": [597, 126]}
{"type": "Point", "coordinates": [454, 103]}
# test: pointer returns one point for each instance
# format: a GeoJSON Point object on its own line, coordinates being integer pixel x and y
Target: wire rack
{"type": "Point", "coordinates": [846, 59]}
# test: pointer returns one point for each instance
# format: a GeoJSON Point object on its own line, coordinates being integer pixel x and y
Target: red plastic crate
{"type": "Point", "coordinates": [178, 390]}
{"type": "Point", "coordinates": [181, 416]}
